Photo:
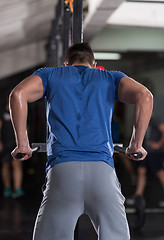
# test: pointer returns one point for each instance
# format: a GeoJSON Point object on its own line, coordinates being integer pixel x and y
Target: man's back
{"type": "Point", "coordinates": [80, 104]}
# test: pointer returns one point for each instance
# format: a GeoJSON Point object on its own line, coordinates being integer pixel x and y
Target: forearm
{"type": "Point", "coordinates": [142, 113]}
{"type": "Point", "coordinates": [18, 111]}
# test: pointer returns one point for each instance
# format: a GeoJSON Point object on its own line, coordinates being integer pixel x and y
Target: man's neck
{"type": "Point", "coordinates": [81, 64]}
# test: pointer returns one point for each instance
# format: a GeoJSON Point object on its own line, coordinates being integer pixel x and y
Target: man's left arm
{"type": "Point", "coordinates": [132, 92]}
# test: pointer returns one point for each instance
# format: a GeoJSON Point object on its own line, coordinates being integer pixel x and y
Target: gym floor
{"type": "Point", "coordinates": [17, 216]}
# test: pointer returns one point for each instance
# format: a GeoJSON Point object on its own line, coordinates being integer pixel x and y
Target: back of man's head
{"type": "Point", "coordinates": [79, 53]}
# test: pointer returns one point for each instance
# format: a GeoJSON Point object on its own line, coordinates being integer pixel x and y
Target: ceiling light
{"type": "Point", "coordinates": [143, 14]}
{"type": "Point", "coordinates": [106, 56]}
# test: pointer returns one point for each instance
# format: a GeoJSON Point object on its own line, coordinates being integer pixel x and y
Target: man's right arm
{"type": "Point", "coordinates": [132, 92]}
{"type": "Point", "coordinates": [29, 90]}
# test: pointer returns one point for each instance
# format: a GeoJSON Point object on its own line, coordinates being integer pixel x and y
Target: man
{"type": "Point", "coordinates": [80, 169]}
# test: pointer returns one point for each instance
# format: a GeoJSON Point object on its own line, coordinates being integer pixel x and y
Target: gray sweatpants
{"type": "Point", "coordinates": [74, 188]}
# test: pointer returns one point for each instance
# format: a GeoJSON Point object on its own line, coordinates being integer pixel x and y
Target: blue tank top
{"type": "Point", "coordinates": [79, 108]}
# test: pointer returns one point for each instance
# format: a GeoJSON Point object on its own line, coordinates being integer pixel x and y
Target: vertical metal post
{"type": "Point", "coordinates": [66, 29]}
{"type": "Point", "coordinates": [54, 45]}
{"type": "Point", "coordinates": [78, 21]}
{"type": "Point", "coordinates": [51, 47]}
{"type": "Point", "coordinates": [57, 33]}
{"type": "Point", "coordinates": [52, 50]}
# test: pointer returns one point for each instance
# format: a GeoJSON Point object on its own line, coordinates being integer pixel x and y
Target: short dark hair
{"type": "Point", "coordinates": [79, 52]}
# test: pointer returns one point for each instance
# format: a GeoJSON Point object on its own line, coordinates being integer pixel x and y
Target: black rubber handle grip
{"type": "Point", "coordinates": [21, 155]}
{"type": "Point", "coordinates": [123, 149]}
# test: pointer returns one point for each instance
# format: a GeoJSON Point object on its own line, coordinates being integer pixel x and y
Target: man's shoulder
{"type": "Point", "coordinates": [50, 68]}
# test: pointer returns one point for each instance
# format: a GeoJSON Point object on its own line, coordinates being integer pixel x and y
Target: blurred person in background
{"type": "Point", "coordinates": [11, 170]}
{"type": "Point", "coordinates": [153, 143]}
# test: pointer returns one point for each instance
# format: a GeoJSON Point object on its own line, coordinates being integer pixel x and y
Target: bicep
{"type": "Point", "coordinates": [129, 89]}
{"type": "Point", "coordinates": [31, 88]}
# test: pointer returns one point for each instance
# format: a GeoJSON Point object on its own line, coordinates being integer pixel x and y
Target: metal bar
{"type": "Point", "coordinates": [42, 147]}
{"type": "Point", "coordinates": [78, 20]}
{"type": "Point", "coordinates": [57, 33]}
{"type": "Point", "coordinates": [147, 210]}
{"type": "Point", "coordinates": [66, 29]}
{"type": "Point", "coordinates": [145, 1]}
